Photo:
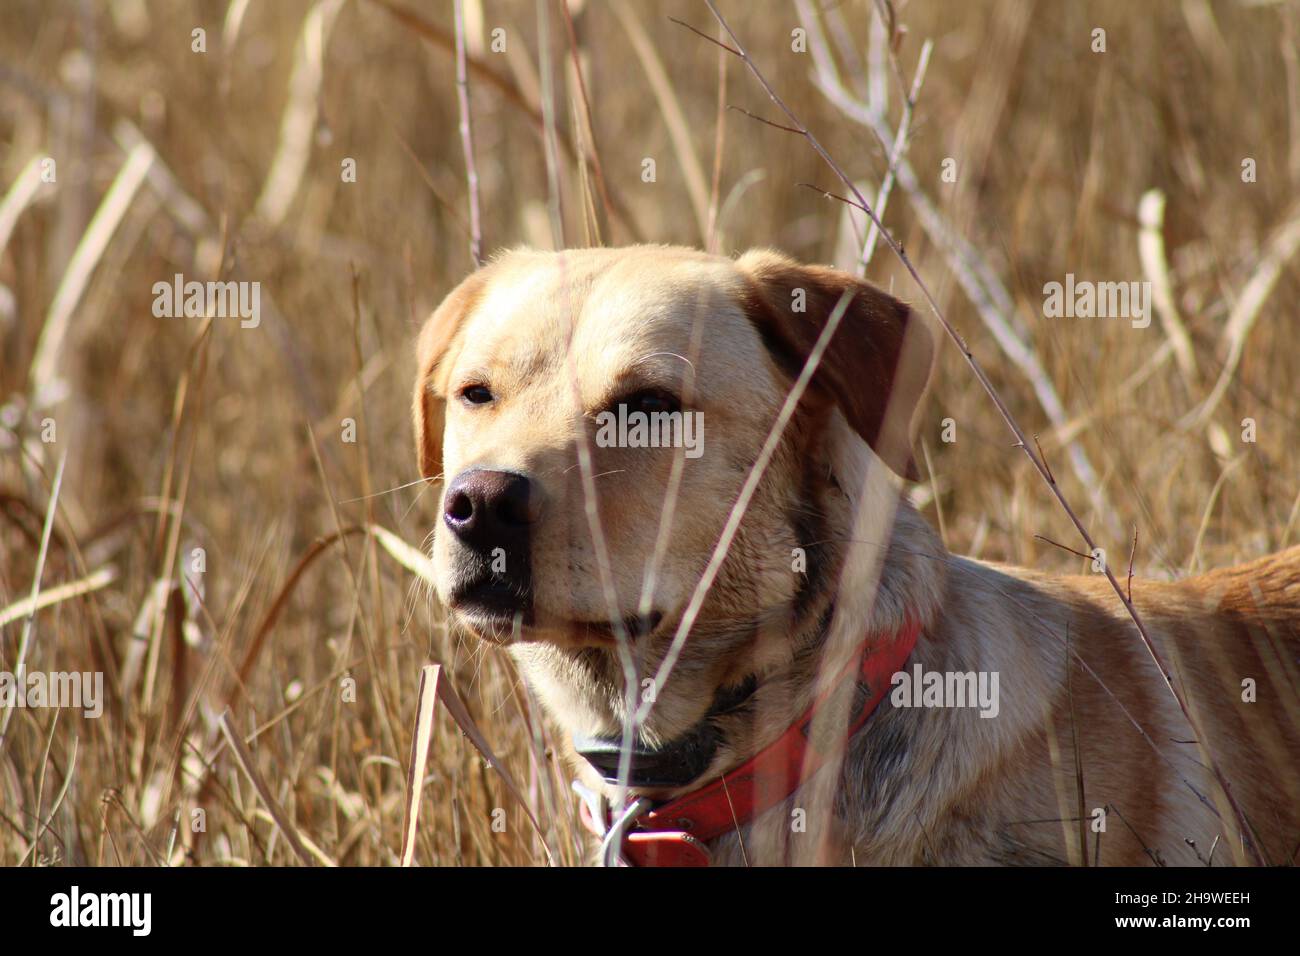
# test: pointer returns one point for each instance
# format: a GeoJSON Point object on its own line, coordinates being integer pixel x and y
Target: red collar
{"type": "Point", "coordinates": [676, 833]}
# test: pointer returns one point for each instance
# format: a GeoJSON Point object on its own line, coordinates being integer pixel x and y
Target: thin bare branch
{"type": "Point", "coordinates": [467, 139]}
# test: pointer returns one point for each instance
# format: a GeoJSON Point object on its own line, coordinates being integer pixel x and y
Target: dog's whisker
{"type": "Point", "coordinates": [428, 483]}
{"type": "Point", "coordinates": [387, 491]}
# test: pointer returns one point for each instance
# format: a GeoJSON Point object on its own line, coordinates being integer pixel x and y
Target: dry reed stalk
{"type": "Point", "coordinates": [1280, 249]}
{"type": "Point", "coordinates": [671, 109]}
{"type": "Point", "coordinates": [588, 126]}
{"type": "Point", "coordinates": [1151, 253]}
{"type": "Point", "coordinates": [29, 624]}
{"type": "Point", "coordinates": [747, 492]}
{"type": "Point", "coordinates": [90, 249]}
{"type": "Point", "coordinates": [467, 139]}
{"type": "Point", "coordinates": [419, 758]}
{"type": "Point", "coordinates": [298, 123]}
{"type": "Point", "coordinates": [19, 196]}
{"type": "Point", "coordinates": [282, 822]}
{"type": "Point", "coordinates": [719, 141]}
{"type": "Point", "coordinates": [28, 606]}
{"type": "Point", "coordinates": [550, 136]}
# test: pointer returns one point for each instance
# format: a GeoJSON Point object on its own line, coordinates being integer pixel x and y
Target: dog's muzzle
{"type": "Point", "coordinates": [492, 515]}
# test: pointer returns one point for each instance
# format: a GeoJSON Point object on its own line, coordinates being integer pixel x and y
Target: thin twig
{"type": "Point", "coordinates": [1064, 547]}
{"type": "Point", "coordinates": [1131, 555]}
{"type": "Point", "coordinates": [719, 139]}
{"type": "Point", "coordinates": [550, 138]}
{"type": "Point", "coordinates": [594, 154]}
{"type": "Point", "coordinates": [768, 122]}
{"type": "Point", "coordinates": [467, 139]}
{"type": "Point", "coordinates": [976, 277]}
{"type": "Point", "coordinates": [1044, 458]}
{"type": "Point", "coordinates": [683, 23]}
{"type": "Point", "coordinates": [895, 155]}
{"type": "Point", "coordinates": [24, 643]}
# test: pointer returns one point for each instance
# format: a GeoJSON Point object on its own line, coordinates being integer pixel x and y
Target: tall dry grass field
{"type": "Point", "coordinates": [224, 517]}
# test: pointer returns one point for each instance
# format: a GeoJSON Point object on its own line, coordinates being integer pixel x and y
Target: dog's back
{"type": "Point", "coordinates": [1230, 640]}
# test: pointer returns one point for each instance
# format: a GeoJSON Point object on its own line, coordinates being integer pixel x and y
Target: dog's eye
{"type": "Point", "coordinates": [476, 395]}
{"type": "Point", "coordinates": [650, 401]}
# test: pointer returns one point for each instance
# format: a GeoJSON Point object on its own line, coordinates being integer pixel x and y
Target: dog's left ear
{"type": "Point", "coordinates": [432, 350]}
{"type": "Point", "coordinates": [877, 365]}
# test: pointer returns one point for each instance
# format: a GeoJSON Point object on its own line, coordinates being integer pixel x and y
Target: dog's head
{"type": "Point", "coordinates": [545, 383]}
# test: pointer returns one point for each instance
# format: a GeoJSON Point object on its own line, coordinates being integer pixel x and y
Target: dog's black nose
{"type": "Point", "coordinates": [490, 509]}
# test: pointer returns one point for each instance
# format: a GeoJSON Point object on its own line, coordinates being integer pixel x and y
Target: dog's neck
{"type": "Point", "coordinates": [882, 593]}
{"type": "Point", "coordinates": [759, 734]}
{"type": "Point", "coordinates": [875, 601]}
{"type": "Point", "coordinates": [744, 713]}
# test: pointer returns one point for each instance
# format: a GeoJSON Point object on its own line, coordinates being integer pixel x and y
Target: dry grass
{"type": "Point", "coordinates": [181, 434]}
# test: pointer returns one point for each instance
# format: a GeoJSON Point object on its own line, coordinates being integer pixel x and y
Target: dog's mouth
{"type": "Point", "coordinates": [491, 600]}
{"type": "Point", "coordinates": [635, 626]}
{"type": "Point", "coordinates": [495, 618]}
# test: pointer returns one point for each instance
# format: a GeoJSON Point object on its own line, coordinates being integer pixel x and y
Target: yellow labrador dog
{"type": "Point", "coordinates": [672, 486]}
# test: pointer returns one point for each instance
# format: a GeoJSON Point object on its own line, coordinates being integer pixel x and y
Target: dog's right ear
{"type": "Point", "coordinates": [431, 352]}
{"type": "Point", "coordinates": [879, 364]}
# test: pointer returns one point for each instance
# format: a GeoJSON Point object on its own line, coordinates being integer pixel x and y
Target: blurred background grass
{"type": "Point", "coordinates": [181, 436]}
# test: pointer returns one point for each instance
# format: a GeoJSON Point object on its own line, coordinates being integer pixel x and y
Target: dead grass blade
{"type": "Point", "coordinates": [674, 117]}
{"type": "Point", "coordinates": [90, 249]}
{"type": "Point", "coordinates": [58, 799]}
{"type": "Point", "coordinates": [1155, 264]}
{"type": "Point", "coordinates": [24, 643]}
{"type": "Point", "coordinates": [426, 698]}
{"type": "Point", "coordinates": [467, 139]}
{"type": "Point", "coordinates": [451, 700]}
{"type": "Point", "coordinates": [20, 195]}
{"type": "Point", "coordinates": [298, 124]}
{"type": "Point", "coordinates": [1282, 246]}
{"type": "Point", "coordinates": [286, 827]}
{"type": "Point", "coordinates": [431, 33]}
{"type": "Point", "coordinates": [413, 559]}
{"type": "Point", "coordinates": [57, 595]}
